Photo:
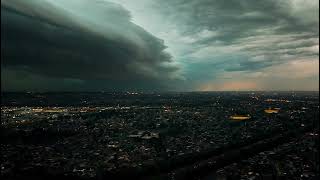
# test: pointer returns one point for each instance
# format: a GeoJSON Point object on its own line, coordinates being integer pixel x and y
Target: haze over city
{"type": "Point", "coordinates": [173, 45]}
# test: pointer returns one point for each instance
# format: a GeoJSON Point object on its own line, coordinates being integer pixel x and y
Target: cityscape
{"type": "Point", "coordinates": [100, 135]}
{"type": "Point", "coordinates": [159, 90]}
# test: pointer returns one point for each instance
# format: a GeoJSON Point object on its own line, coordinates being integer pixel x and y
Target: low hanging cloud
{"type": "Point", "coordinates": [88, 44]}
{"type": "Point", "coordinates": [245, 37]}
{"type": "Point", "coordinates": [249, 34]}
{"type": "Point", "coordinates": [96, 44]}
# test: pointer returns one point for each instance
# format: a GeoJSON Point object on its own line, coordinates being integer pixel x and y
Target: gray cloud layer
{"type": "Point", "coordinates": [261, 33]}
{"type": "Point", "coordinates": [234, 19]}
{"type": "Point", "coordinates": [81, 44]}
{"type": "Point", "coordinates": [93, 43]}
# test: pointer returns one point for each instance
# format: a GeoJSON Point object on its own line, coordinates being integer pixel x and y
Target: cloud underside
{"type": "Point", "coordinates": [93, 45]}
{"type": "Point", "coordinates": [212, 45]}
{"type": "Point", "coordinates": [224, 37]}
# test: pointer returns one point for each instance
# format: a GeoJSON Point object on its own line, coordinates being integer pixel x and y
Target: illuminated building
{"type": "Point", "coordinates": [272, 111]}
{"type": "Point", "coordinates": [240, 117]}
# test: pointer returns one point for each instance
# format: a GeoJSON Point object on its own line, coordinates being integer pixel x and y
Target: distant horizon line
{"type": "Point", "coordinates": [140, 91]}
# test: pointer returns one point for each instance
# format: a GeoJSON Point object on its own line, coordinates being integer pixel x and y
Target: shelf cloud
{"type": "Point", "coordinates": [91, 42]}
{"type": "Point", "coordinates": [180, 45]}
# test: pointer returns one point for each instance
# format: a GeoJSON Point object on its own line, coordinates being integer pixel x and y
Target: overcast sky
{"type": "Point", "coordinates": [159, 45]}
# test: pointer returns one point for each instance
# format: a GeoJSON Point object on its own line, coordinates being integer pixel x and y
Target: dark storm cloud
{"type": "Point", "coordinates": [235, 19]}
{"type": "Point", "coordinates": [90, 42]}
{"type": "Point", "coordinates": [95, 44]}
{"type": "Point", "coordinates": [277, 30]}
